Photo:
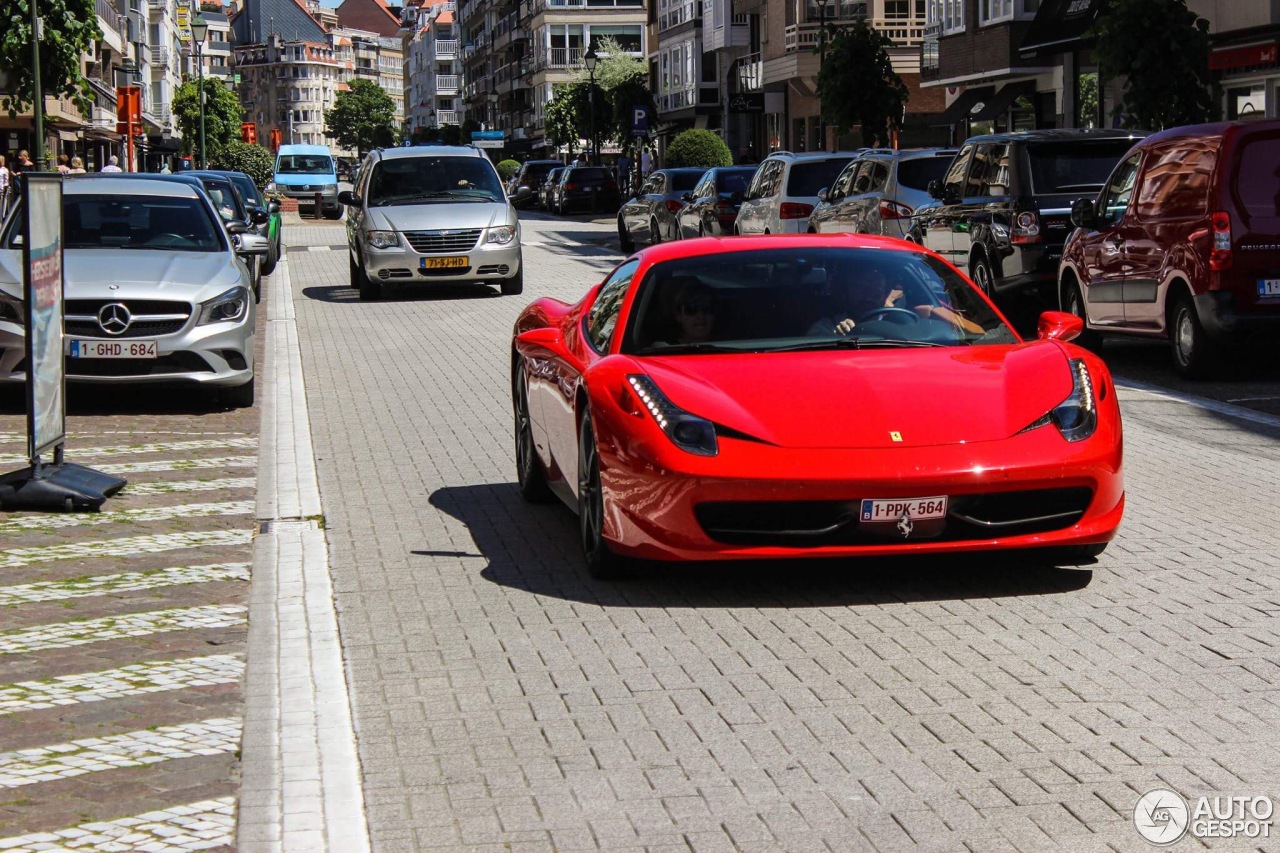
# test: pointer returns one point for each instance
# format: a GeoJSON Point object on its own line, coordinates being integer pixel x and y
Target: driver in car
{"type": "Point", "coordinates": [873, 296]}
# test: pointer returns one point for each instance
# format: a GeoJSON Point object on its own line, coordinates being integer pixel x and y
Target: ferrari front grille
{"type": "Point", "coordinates": [817, 524]}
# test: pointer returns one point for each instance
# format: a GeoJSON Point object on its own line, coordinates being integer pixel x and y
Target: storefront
{"type": "Point", "coordinates": [1250, 77]}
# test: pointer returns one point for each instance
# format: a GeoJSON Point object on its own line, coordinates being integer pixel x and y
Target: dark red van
{"type": "Point", "coordinates": [1183, 243]}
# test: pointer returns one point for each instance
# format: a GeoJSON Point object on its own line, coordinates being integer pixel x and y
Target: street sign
{"type": "Point", "coordinates": [477, 135]}
{"type": "Point", "coordinates": [488, 143]}
{"type": "Point", "coordinates": [640, 120]}
{"type": "Point", "coordinates": [42, 250]}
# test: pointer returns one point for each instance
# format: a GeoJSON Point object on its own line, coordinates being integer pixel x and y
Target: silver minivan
{"type": "Point", "coordinates": [785, 189]}
{"type": "Point", "coordinates": [431, 214]}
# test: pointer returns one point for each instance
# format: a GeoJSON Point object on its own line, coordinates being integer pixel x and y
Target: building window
{"type": "Point", "coordinates": [999, 11]}
{"type": "Point", "coordinates": [945, 16]}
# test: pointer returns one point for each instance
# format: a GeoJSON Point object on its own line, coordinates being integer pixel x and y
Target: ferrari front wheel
{"type": "Point", "coordinates": [529, 475]}
{"type": "Point", "coordinates": [601, 562]}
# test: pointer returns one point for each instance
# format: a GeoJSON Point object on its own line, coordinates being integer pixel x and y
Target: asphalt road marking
{"type": "Point", "coordinates": [11, 596]}
{"type": "Point", "coordinates": [1225, 409]}
{"type": "Point", "coordinates": [83, 453]}
{"type": "Point", "coordinates": [133, 749]}
{"type": "Point", "coordinates": [168, 487]}
{"type": "Point", "coordinates": [81, 632]}
{"type": "Point", "coordinates": [132, 680]}
{"type": "Point", "coordinates": [123, 547]}
{"type": "Point", "coordinates": [127, 516]}
{"type": "Point", "coordinates": [177, 829]}
{"type": "Point", "coordinates": [179, 465]}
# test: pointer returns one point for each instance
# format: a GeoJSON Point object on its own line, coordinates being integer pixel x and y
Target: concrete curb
{"type": "Point", "coordinates": [300, 787]}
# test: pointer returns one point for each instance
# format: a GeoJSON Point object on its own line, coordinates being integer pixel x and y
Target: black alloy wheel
{"type": "Point", "coordinates": [624, 238]}
{"type": "Point", "coordinates": [529, 474]}
{"type": "Point", "coordinates": [980, 272]}
{"type": "Point", "coordinates": [602, 563]}
{"type": "Point", "coordinates": [655, 236]}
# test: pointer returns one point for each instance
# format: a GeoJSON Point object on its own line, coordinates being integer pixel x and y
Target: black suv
{"type": "Point", "coordinates": [523, 187]}
{"type": "Point", "coordinates": [1003, 211]}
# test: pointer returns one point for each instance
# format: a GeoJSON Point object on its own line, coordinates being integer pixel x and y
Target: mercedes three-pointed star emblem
{"type": "Point", "coordinates": [114, 318]}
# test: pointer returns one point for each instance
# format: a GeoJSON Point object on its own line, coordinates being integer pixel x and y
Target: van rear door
{"type": "Point", "coordinates": [1254, 184]}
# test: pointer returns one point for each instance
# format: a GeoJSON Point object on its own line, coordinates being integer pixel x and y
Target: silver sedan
{"type": "Point", "coordinates": [155, 291]}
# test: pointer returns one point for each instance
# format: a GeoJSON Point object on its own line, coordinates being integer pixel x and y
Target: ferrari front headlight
{"type": "Point", "coordinates": [1077, 416]}
{"type": "Point", "coordinates": [686, 430]}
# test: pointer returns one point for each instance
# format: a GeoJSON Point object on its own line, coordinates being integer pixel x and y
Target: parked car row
{"type": "Point", "coordinates": [161, 279]}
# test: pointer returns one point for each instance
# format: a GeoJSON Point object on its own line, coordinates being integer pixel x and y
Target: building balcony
{"type": "Point", "coordinates": [446, 48]}
{"type": "Point", "coordinates": [446, 84]}
{"type": "Point", "coordinates": [447, 117]}
{"type": "Point", "coordinates": [560, 57]}
{"type": "Point", "coordinates": [904, 32]}
{"type": "Point", "coordinates": [160, 55]}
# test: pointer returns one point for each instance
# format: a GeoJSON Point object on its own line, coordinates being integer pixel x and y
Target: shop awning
{"type": "Point", "coordinates": [961, 106]}
{"type": "Point", "coordinates": [1267, 53]}
{"type": "Point", "coordinates": [1060, 26]}
{"type": "Point", "coordinates": [995, 107]}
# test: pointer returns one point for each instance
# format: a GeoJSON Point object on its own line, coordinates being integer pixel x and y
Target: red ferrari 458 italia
{"type": "Point", "coordinates": [810, 396]}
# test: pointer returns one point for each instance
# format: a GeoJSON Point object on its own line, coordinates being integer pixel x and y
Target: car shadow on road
{"type": "Point", "coordinates": [124, 399]}
{"type": "Point", "coordinates": [538, 553]}
{"type": "Point", "coordinates": [342, 294]}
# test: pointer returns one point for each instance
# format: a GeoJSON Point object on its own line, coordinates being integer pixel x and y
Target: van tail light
{"type": "Point", "coordinates": [726, 213]}
{"type": "Point", "coordinates": [1220, 254]}
{"type": "Point", "coordinates": [794, 210]}
{"type": "Point", "coordinates": [673, 205]}
{"type": "Point", "coordinates": [894, 210]}
{"type": "Point", "coordinates": [1026, 228]}
{"type": "Point", "coordinates": [570, 186]}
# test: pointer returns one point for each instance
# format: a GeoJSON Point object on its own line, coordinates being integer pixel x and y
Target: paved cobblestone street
{"type": "Point", "coordinates": [505, 701]}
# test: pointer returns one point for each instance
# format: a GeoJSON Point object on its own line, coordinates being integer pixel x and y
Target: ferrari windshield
{"type": "Point", "coordinates": [774, 300]}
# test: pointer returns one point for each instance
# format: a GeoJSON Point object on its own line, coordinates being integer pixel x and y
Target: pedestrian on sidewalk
{"type": "Point", "coordinates": [646, 163]}
{"type": "Point", "coordinates": [77, 167]}
{"type": "Point", "coordinates": [4, 188]}
{"type": "Point", "coordinates": [113, 165]}
{"type": "Point", "coordinates": [63, 168]}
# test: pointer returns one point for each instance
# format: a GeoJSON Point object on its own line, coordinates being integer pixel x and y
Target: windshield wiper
{"type": "Point", "coordinates": [854, 343]}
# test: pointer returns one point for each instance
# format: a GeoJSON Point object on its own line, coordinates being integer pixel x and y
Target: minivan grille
{"type": "Point", "coordinates": [425, 242]}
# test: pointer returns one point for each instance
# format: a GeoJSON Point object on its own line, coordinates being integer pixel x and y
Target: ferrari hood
{"type": "Point", "coordinates": [863, 399]}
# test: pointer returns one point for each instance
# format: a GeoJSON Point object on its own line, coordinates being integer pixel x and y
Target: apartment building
{"type": "Point", "coordinates": [515, 52]}
{"type": "Point", "coordinates": [290, 69]}
{"type": "Point", "coordinates": [216, 52]}
{"type": "Point", "coordinates": [1021, 64]}
{"type": "Point", "coordinates": [138, 47]}
{"type": "Point", "coordinates": [772, 85]}
{"type": "Point", "coordinates": [434, 71]}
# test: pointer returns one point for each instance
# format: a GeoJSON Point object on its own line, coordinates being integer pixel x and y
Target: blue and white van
{"type": "Point", "coordinates": [304, 170]}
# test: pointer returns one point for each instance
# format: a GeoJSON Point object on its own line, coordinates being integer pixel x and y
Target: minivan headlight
{"type": "Point", "coordinates": [382, 239]}
{"type": "Point", "coordinates": [502, 235]}
{"type": "Point", "coordinates": [229, 307]}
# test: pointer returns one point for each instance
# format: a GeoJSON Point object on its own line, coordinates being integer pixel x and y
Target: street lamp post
{"type": "Point", "coordinates": [199, 29]}
{"type": "Point", "coordinates": [590, 59]}
{"type": "Point", "coordinates": [493, 100]}
{"type": "Point", "coordinates": [37, 92]}
{"type": "Point", "coordinates": [822, 59]}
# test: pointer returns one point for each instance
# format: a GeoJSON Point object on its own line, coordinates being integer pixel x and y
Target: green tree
{"type": "Point", "coordinates": [1161, 48]}
{"type": "Point", "coordinates": [562, 124]}
{"type": "Point", "coordinates": [623, 83]}
{"type": "Point", "coordinates": [857, 84]}
{"type": "Point", "coordinates": [254, 160]}
{"type": "Point", "coordinates": [70, 29]}
{"type": "Point", "coordinates": [698, 148]}
{"type": "Point", "coordinates": [222, 115]}
{"type": "Point", "coordinates": [362, 117]}
{"type": "Point", "coordinates": [507, 168]}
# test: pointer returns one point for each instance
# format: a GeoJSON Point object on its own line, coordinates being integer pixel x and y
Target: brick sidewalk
{"type": "Point", "coordinates": [122, 650]}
